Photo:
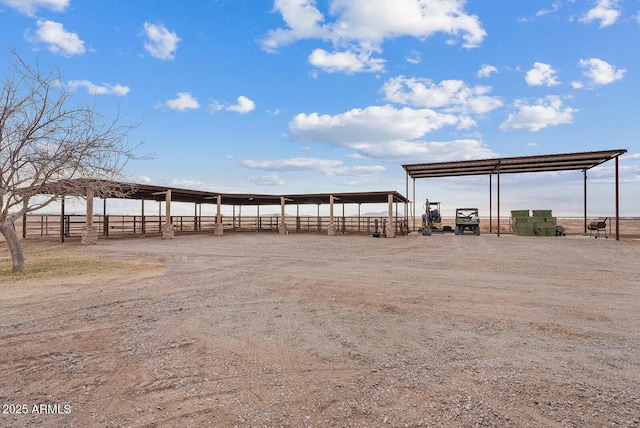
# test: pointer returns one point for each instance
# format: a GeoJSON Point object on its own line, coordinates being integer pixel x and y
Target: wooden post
{"type": "Point", "coordinates": [282, 227]}
{"type": "Point", "coordinates": [331, 231]}
{"type": "Point", "coordinates": [89, 232]}
{"type": "Point", "coordinates": [62, 220]}
{"type": "Point", "coordinates": [218, 227]}
{"type": "Point", "coordinates": [167, 231]}
{"type": "Point", "coordinates": [167, 207]}
{"type": "Point", "coordinates": [391, 233]}
{"type": "Point", "coordinates": [331, 200]}
{"type": "Point", "coordinates": [104, 217]}
{"type": "Point", "coordinates": [195, 217]}
{"type": "Point", "coordinates": [89, 213]}
{"type": "Point", "coordinates": [143, 219]}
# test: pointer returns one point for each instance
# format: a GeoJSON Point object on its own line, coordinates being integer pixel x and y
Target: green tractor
{"type": "Point", "coordinates": [467, 219]}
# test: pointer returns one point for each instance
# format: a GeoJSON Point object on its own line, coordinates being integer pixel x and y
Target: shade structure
{"type": "Point", "coordinates": [511, 165]}
{"type": "Point", "coordinates": [580, 161]}
{"type": "Point", "coordinates": [89, 189]}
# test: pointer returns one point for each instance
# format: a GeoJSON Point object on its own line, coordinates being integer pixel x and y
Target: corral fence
{"type": "Point", "coordinates": [70, 226]}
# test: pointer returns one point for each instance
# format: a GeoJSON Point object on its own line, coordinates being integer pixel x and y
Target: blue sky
{"type": "Point", "coordinates": [303, 96]}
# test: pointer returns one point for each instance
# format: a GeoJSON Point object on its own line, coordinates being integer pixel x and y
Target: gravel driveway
{"type": "Point", "coordinates": [258, 329]}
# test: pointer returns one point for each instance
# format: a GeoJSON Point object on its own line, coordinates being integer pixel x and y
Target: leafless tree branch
{"type": "Point", "coordinates": [45, 140]}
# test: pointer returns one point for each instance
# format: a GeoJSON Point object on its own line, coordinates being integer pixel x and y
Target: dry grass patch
{"type": "Point", "coordinates": [44, 259]}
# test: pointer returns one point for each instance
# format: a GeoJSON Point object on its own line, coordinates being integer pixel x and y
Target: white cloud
{"type": "Point", "coordinates": [379, 20]}
{"type": "Point", "coordinates": [605, 11]}
{"type": "Point", "coordinates": [244, 105]}
{"type": "Point", "coordinates": [386, 133]}
{"type": "Point", "coordinates": [59, 40]}
{"type": "Point", "coordinates": [360, 26]}
{"type": "Point", "coordinates": [303, 19]}
{"type": "Point", "coordinates": [357, 170]}
{"type": "Point", "coordinates": [601, 72]}
{"type": "Point", "coordinates": [294, 164]}
{"type": "Point", "coordinates": [322, 166]}
{"type": "Point", "coordinates": [541, 75]}
{"type": "Point", "coordinates": [430, 151]}
{"type": "Point", "coordinates": [373, 125]}
{"type": "Point", "coordinates": [554, 8]}
{"type": "Point", "coordinates": [542, 12]}
{"type": "Point", "coordinates": [348, 62]}
{"type": "Point", "coordinates": [189, 184]}
{"type": "Point", "coordinates": [184, 101]}
{"type": "Point", "coordinates": [29, 7]}
{"type": "Point", "coordinates": [104, 89]}
{"type": "Point", "coordinates": [141, 179]}
{"type": "Point", "coordinates": [451, 95]}
{"type": "Point", "coordinates": [414, 57]}
{"type": "Point", "coordinates": [161, 43]}
{"type": "Point", "coordinates": [546, 112]}
{"type": "Point", "coordinates": [486, 70]}
{"type": "Point", "coordinates": [267, 180]}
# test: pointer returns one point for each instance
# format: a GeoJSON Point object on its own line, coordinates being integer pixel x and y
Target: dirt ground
{"type": "Point", "coordinates": [259, 329]}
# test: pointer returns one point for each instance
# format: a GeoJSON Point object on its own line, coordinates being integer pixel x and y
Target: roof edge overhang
{"type": "Point", "coordinates": [510, 165]}
{"type": "Point", "coordinates": [150, 192]}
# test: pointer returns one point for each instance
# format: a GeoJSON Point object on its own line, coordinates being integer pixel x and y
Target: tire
{"type": "Point", "coordinates": [477, 231]}
{"type": "Point", "coordinates": [457, 232]}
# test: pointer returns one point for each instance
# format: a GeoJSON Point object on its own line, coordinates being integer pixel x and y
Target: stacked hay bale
{"type": "Point", "coordinates": [521, 223]}
{"type": "Point", "coordinates": [542, 223]}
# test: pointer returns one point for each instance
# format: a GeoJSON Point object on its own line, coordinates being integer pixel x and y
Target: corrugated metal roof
{"type": "Point", "coordinates": [158, 193]}
{"type": "Point", "coordinates": [512, 165]}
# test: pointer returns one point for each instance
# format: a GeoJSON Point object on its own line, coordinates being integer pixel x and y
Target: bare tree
{"type": "Point", "coordinates": [50, 148]}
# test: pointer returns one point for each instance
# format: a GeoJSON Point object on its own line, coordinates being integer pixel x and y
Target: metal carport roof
{"type": "Point", "coordinates": [150, 192]}
{"type": "Point", "coordinates": [153, 192]}
{"type": "Point", "coordinates": [580, 161]}
{"type": "Point", "coordinates": [557, 162]}
{"type": "Point", "coordinates": [378, 197]}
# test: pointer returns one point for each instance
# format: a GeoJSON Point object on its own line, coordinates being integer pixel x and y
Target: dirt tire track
{"type": "Point", "coordinates": [310, 330]}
